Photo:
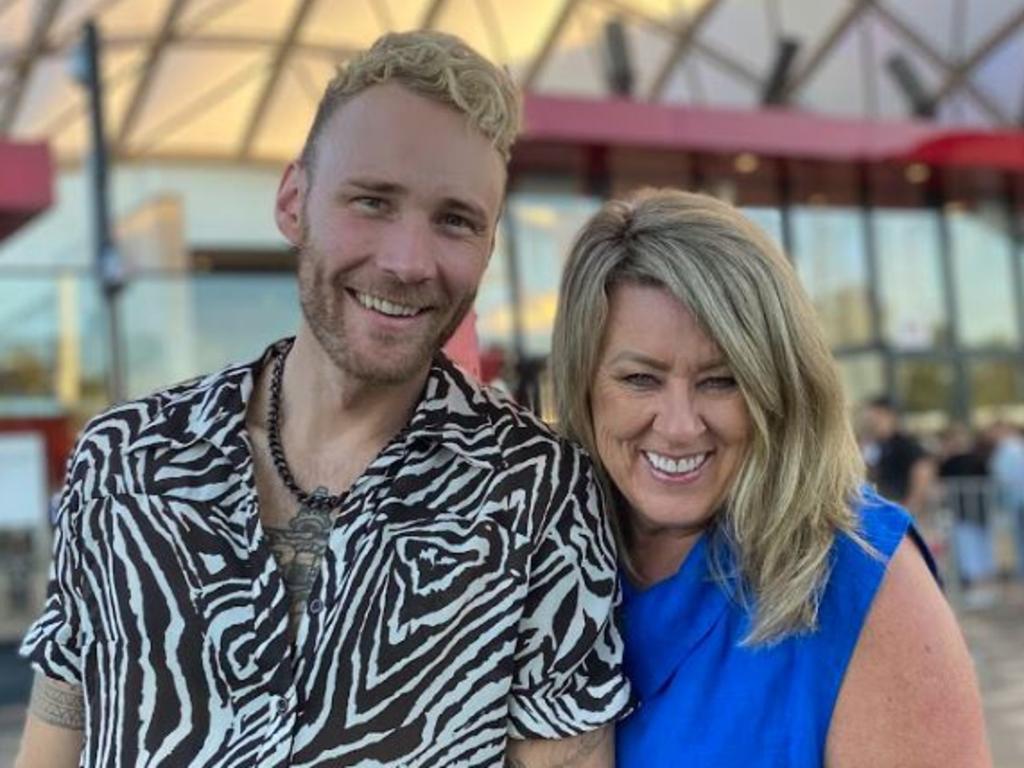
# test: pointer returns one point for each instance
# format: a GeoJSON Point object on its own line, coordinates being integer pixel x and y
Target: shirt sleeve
{"type": "Point", "coordinates": [568, 677]}
{"type": "Point", "coordinates": [53, 643]}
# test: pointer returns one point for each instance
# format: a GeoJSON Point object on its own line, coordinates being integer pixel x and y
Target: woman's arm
{"type": "Point", "coordinates": [910, 697]}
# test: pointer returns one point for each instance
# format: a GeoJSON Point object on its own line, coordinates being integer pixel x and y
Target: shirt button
{"type": "Point", "coordinates": [316, 605]}
{"type": "Point", "coordinates": [282, 705]}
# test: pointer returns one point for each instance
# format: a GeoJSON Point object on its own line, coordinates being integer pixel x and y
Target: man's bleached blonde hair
{"type": "Point", "coordinates": [438, 66]}
{"type": "Point", "coordinates": [802, 471]}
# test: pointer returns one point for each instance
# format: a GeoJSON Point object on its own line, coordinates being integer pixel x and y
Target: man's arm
{"type": "Point", "coordinates": [593, 749]}
{"type": "Point", "coordinates": [53, 728]}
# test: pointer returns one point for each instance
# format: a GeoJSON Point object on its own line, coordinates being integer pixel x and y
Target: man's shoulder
{"type": "Point", "coordinates": [135, 416]}
{"type": "Point", "coordinates": [173, 416]}
{"type": "Point", "coordinates": [515, 425]}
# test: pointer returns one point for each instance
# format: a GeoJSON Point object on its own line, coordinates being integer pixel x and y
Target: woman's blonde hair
{"type": "Point", "coordinates": [438, 66]}
{"type": "Point", "coordinates": [801, 473]}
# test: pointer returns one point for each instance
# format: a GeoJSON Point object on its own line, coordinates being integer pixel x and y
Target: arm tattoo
{"type": "Point", "coordinates": [298, 548]}
{"type": "Point", "coordinates": [562, 753]}
{"type": "Point", "coordinates": [58, 703]}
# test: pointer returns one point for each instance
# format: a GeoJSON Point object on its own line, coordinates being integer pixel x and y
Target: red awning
{"type": "Point", "coordinates": [26, 184]}
{"type": "Point", "coordinates": [771, 132]}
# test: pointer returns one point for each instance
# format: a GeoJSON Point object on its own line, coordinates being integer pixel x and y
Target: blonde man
{"type": "Point", "coordinates": [345, 552]}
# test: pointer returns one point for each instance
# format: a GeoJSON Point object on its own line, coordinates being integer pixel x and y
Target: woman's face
{"type": "Point", "coordinates": [670, 423]}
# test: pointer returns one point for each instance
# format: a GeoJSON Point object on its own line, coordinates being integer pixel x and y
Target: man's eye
{"type": "Point", "coordinates": [369, 203]}
{"type": "Point", "coordinates": [455, 221]}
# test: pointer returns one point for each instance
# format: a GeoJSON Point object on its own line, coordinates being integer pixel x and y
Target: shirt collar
{"type": "Point", "coordinates": [453, 410]}
{"type": "Point", "coordinates": [458, 413]}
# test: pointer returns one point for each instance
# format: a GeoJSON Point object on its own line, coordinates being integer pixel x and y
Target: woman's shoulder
{"type": "Point", "coordinates": [909, 694]}
{"type": "Point", "coordinates": [880, 527]}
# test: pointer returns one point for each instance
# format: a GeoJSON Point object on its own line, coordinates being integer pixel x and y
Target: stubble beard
{"type": "Point", "coordinates": [321, 300]}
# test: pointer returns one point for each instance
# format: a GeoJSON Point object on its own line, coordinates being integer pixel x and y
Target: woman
{"type": "Point", "coordinates": [775, 613]}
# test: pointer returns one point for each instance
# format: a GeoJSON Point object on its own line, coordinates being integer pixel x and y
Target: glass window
{"type": "Point", "coordinates": [493, 305]}
{"type": "Point", "coordinates": [982, 247]}
{"type": "Point", "coordinates": [545, 226]}
{"type": "Point", "coordinates": [924, 389]}
{"type": "Point", "coordinates": [863, 377]}
{"type": "Point", "coordinates": [53, 351]}
{"type": "Point", "coordinates": [830, 259]}
{"type": "Point", "coordinates": [768, 219]}
{"type": "Point", "coordinates": [997, 387]}
{"type": "Point", "coordinates": [906, 232]}
{"type": "Point", "coordinates": [910, 279]}
{"type": "Point", "coordinates": [178, 327]}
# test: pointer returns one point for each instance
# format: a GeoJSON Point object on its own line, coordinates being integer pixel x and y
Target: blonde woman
{"type": "Point", "coordinates": [777, 613]}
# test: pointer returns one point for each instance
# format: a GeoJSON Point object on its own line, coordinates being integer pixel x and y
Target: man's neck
{"type": "Point", "coordinates": [326, 405]}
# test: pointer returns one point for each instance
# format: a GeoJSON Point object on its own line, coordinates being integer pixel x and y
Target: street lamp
{"type": "Point", "coordinates": [85, 69]}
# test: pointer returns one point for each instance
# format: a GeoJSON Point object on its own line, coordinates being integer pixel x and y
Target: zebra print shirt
{"type": "Point", "coordinates": [466, 596]}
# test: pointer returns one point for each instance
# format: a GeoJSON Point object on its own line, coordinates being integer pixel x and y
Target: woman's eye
{"type": "Point", "coordinates": [719, 382]}
{"type": "Point", "coordinates": [639, 380]}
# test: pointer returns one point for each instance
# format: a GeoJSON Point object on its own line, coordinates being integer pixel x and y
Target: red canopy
{"type": "Point", "coordinates": [26, 184]}
{"type": "Point", "coordinates": [770, 132]}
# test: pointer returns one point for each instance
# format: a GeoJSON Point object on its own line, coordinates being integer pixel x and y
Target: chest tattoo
{"type": "Point", "coordinates": [298, 548]}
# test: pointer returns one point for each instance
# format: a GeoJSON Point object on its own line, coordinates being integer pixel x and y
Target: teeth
{"type": "Point", "coordinates": [384, 306]}
{"type": "Point", "coordinates": [675, 466]}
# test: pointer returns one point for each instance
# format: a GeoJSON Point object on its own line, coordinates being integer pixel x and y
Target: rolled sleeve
{"type": "Point", "coordinates": [568, 677]}
{"type": "Point", "coordinates": [53, 643]}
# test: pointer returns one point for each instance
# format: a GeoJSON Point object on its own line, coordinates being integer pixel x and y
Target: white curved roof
{"type": "Point", "coordinates": [238, 80]}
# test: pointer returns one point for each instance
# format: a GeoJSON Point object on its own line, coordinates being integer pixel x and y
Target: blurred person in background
{"type": "Point", "coordinates": [1006, 464]}
{"type": "Point", "coordinates": [777, 611]}
{"type": "Point", "coordinates": [964, 474]}
{"type": "Point", "coordinates": [900, 468]}
{"type": "Point", "coordinates": [345, 552]}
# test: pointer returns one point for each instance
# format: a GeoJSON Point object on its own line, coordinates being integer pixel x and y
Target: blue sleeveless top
{"type": "Point", "coordinates": [705, 700]}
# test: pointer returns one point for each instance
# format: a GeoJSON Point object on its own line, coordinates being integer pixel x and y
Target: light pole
{"type": "Point", "coordinates": [85, 68]}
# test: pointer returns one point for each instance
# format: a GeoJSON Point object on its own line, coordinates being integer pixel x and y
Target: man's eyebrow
{"type": "Point", "coordinates": [375, 185]}
{"type": "Point", "coordinates": [465, 206]}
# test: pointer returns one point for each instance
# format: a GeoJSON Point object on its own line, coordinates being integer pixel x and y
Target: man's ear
{"type": "Point", "coordinates": [288, 205]}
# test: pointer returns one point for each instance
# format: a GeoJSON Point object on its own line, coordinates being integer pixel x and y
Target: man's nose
{"type": "Point", "coordinates": [408, 250]}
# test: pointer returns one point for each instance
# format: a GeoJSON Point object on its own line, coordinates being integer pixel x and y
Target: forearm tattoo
{"type": "Point", "coordinates": [57, 703]}
{"type": "Point", "coordinates": [298, 549]}
{"type": "Point", "coordinates": [563, 753]}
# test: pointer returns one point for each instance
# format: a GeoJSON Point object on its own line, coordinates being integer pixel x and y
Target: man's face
{"type": "Point", "coordinates": [394, 224]}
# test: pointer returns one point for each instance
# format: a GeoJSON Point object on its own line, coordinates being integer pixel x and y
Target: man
{"type": "Point", "coordinates": [345, 553]}
{"type": "Point", "coordinates": [897, 464]}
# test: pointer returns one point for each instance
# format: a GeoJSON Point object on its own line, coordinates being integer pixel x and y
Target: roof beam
{"type": "Point", "coordinates": [984, 103]}
{"type": "Point", "coordinates": [814, 59]}
{"type": "Point", "coordinates": [41, 25]}
{"type": "Point", "coordinates": [431, 14]}
{"type": "Point", "coordinates": [727, 62]}
{"type": "Point", "coordinates": [960, 72]}
{"type": "Point", "coordinates": [548, 44]}
{"type": "Point", "coordinates": [281, 54]}
{"type": "Point", "coordinates": [680, 47]}
{"type": "Point", "coordinates": [149, 69]}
